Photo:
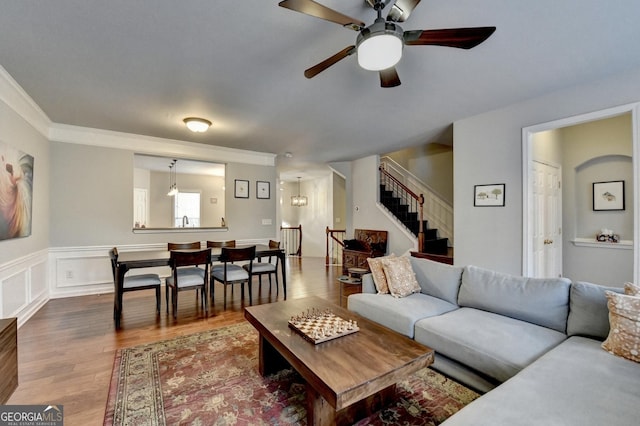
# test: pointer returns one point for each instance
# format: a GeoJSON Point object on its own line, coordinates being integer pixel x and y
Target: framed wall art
{"type": "Point", "coordinates": [608, 195]}
{"type": "Point", "coordinates": [16, 192]}
{"type": "Point", "coordinates": [241, 188]}
{"type": "Point", "coordinates": [489, 195]}
{"type": "Point", "coordinates": [263, 190]}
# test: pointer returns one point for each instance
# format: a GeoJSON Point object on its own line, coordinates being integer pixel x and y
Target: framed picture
{"type": "Point", "coordinates": [16, 193]}
{"type": "Point", "coordinates": [489, 195]}
{"type": "Point", "coordinates": [241, 188]}
{"type": "Point", "coordinates": [263, 190]}
{"type": "Point", "coordinates": [608, 195]}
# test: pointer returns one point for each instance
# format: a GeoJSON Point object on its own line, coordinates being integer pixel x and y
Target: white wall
{"type": "Point", "coordinates": [488, 149]}
{"type": "Point", "coordinates": [366, 211]}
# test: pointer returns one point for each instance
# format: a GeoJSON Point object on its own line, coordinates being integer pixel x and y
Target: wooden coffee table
{"type": "Point", "coordinates": [347, 378]}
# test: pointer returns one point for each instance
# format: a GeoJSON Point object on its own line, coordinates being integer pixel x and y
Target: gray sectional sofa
{"type": "Point", "coordinates": [532, 346]}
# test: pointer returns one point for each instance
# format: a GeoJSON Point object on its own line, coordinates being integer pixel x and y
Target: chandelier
{"type": "Point", "coordinates": [298, 200]}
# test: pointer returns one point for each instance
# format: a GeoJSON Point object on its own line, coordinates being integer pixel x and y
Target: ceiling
{"type": "Point", "coordinates": [140, 67]}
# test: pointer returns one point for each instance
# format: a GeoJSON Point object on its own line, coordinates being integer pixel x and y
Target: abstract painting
{"type": "Point", "coordinates": [16, 192]}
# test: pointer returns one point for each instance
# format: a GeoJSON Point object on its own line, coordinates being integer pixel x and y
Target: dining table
{"type": "Point", "coordinates": [128, 260]}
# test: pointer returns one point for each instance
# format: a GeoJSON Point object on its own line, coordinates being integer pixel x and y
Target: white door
{"type": "Point", "coordinates": [140, 208]}
{"type": "Point", "coordinates": [547, 221]}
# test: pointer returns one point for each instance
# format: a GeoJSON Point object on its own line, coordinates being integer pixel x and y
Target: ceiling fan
{"type": "Point", "coordinates": [379, 45]}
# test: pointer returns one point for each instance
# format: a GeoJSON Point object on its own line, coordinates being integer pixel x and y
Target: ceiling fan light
{"type": "Point", "coordinates": [380, 46]}
{"type": "Point", "coordinates": [197, 125]}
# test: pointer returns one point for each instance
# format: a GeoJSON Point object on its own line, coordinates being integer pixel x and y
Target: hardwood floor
{"type": "Point", "coordinates": [66, 350]}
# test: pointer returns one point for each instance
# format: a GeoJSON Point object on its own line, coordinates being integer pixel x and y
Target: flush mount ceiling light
{"type": "Point", "coordinates": [197, 125]}
{"type": "Point", "coordinates": [380, 45]}
{"type": "Point", "coordinates": [299, 200]}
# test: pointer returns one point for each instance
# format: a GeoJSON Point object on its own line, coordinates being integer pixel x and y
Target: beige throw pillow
{"type": "Point", "coordinates": [630, 289]}
{"type": "Point", "coordinates": [400, 276]}
{"type": "Point", "coordinates": [379, 278]}
{"type": "Point", "coordinates": [624, 318]}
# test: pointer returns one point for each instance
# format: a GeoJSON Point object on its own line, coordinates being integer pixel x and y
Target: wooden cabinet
{"type": "Point", "coordinates": [355, 259]}
{"type": "Point", "coordinates": [366, 243]}
{"type": "Point", "coordinates": [8, 358]}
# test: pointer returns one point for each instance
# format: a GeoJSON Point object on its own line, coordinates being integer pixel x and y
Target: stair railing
{"type": "Point", "coordinates": [334, 245]}
{"type": "Point", "coordinates": [438, 210]}
{"type": "Point", "coordinates": [410, 198]}
{"type": "Point", "coordinates": [291, 237]}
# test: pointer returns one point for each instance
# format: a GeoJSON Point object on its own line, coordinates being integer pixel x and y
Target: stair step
{"type": "Point", "coordinates": [437, 246]}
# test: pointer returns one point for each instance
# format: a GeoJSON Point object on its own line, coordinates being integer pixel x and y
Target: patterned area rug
{"type": "Point", "coordinates": [211, 378]}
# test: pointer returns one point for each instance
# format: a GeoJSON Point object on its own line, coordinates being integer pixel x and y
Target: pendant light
{"type": "Point", "coordinates": [173, 185]}
{"type": "Point", "coordinates": [299, 200]}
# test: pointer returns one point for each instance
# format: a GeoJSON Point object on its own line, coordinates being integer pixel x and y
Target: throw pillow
{"type": "Point", "coordinates": [379, 278]}
{"type": "Point", "coordinates": [631, 289]}
{"type": "Point", "coordinates": [624, 317]}
{"type": "Point", "coordinates": [400, 276]}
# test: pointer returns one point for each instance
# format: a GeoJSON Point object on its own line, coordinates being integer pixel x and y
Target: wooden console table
{"type": "Point", "coordinates": [8, 358]}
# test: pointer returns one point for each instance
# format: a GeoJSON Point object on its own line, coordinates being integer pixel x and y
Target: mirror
{"type": "Point", "coordinates": [172, 193]}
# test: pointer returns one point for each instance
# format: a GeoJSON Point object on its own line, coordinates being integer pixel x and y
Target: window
{"type": "Point", "coordinates": [187, 210]}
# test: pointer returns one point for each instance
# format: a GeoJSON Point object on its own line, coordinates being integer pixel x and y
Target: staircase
{"type": "Point", "coordinates": [398, 205]}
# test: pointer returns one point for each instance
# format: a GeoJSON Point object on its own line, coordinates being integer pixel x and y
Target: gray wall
{"type": "Point", "coordinates": [488, 149]}
{"type": "Point", "coordinates": [92, 201]}
{"type": "Point", "coordinates": [16, 133]}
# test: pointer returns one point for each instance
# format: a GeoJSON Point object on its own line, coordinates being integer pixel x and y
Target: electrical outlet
{"type": "Point", "coordinates": [69, 275]}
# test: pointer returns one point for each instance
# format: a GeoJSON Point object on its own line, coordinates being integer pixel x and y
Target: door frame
{"type": "Point", "coordinates": [527, 158]}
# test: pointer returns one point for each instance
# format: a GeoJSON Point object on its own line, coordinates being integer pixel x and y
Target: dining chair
{"type": "Point", "coordinates": [189, 271]}
{"type": "Point", "coordinates": [183, 246]}
{"type": "Point", "coordinates": [230, 274]}
{"type": "Point", "coordinates": [267, 268]}
{"type": "Point", "coordinates": [132, 283]}
{"type": "Point", "coordinates": [220, 244]}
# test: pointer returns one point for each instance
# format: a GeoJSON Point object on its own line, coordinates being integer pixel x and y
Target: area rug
{"type": "Point", "coordinates": [211, 378]}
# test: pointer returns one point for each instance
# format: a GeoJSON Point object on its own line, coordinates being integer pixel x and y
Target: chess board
{"type": "Point", "coordinates": [321, 326]}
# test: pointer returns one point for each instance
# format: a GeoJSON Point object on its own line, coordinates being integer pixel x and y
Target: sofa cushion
{"type": "Point", "coordinates": [438, 279]}
{"type": "Point", "coordinates": [401, 314]}
{"type": "Point", "coordinates": [588, 312]}
{"type": "Point", "coordinates": [492, 344]}
{"type": "Point", "coordinates": [400, 276]}
{"type": "Point", "coordinates": [576, 383]}
{"type": "Point", "coordinates": [631, 289]}
{"type": "Point", "coordinates": [541, 301]}
{"type": "Point", "coordinates": [624, 336]}
{"type": "Point", "coordinates": [377, 272]}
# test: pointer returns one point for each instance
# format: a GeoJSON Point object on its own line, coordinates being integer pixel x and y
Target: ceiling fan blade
{"type": "Point", "coordinates": [312, 8]}
{"type": "Point", "coordinates": [389, 78]}
{"type": "Point", "coordinates": [463, 38]}
{"type": "Point", "coordinates": [317, 69]}
{"type": "Point", "coordinates": [401, 10]}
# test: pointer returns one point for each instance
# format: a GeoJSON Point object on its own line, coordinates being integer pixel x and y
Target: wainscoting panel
{"type": "Point", "coordinates": [24, 286]}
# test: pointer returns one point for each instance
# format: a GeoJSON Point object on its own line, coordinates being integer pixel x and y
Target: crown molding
{"type": "Point", "coordinates": [12, 94]}
{"type": "Point", "coordinates": [157, 146]}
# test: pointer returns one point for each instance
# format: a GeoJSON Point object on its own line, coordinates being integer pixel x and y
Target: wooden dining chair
{"type": "Point", "coordinates": [267, 268]}
{"type": "Point", "coordinates": [220, 244]}
{"type": "Point", "coordinates": [131, 283]}
{"type": "Point", "coordinates": [231, 274]}
{"type": "Point", "coordinates": [183, 246]}
{"type": "Point", "coordinates": [189, 271]}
